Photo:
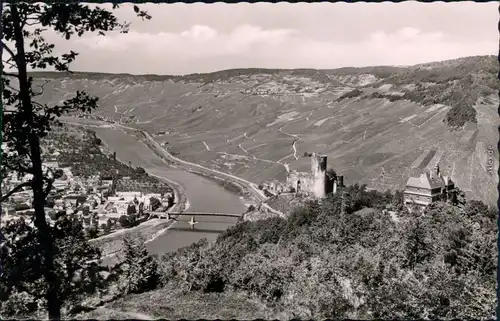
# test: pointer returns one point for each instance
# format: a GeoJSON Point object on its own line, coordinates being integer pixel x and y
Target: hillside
{"type": "Point", "coordinates": [378, 125]}
{"type": "Point", "coordinates": [321, 264]}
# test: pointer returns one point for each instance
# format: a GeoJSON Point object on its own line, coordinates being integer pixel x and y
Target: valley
{"type": "Point", "coordinates": [257, 124]}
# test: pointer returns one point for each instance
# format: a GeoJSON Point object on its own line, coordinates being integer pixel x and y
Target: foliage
{"type": "Point", "coordinates": [391, 98]}
{"type": "Point", "coordinates": [356, 198]}
{"type": "Point", "coordinates": [319, 263]}
{"type": "Point", "coordinates": [331, 173]}
{"type": "Point", "coordinates": [128, 221]}
{"type": "Point", "coordinates": [461, 113]}
{"type": "Point", "coordinates": [140, 171]}
{"type": "Point", "coordinates": [155, 203]}
{"type": "Point", "coordinates": [27, 120]}
{"type": "Point", "coordinates": [97, 141]}
{"type": "Point", "coordinates": [140, 269]}
{"type": "Point", "coordinates": [456, 83]}
{"type": "Point", "coordinates": [22, 290]}
{"type": "Point", "coordinates": [351, 94]}
{"type": "Point", "coordinates": [131, 209]}
{"type": "Point", "coordinates": [398, 201]}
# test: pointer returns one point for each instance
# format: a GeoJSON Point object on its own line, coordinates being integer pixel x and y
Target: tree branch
{"type": "Point", "coordinates": [12, 88]}
{"type": "Point", "coordinates": [15, 190]}
{"type": "Point", "coordinates": [50, 183]}
{"type": "Point", "coordinates": [11, 53]}
{"type": "Point", "coordinates": [9, 74]}
{"type": "Point", "coordinates": [42, 88]}
{"type": "Point", "coordinates": [8, 62]}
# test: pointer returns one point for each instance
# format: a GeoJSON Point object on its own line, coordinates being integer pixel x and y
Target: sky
{"type": "Point", "coordinates": [196, 38]}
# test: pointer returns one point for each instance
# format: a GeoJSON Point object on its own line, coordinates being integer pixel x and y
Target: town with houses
{"type": "Point", "coordinates": [104, 203]}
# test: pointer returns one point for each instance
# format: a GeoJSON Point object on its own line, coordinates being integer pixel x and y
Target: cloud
{"type": "Point", "coordinates": [202, 48]}
{"type": "Point", "coordinates": [198, 32]}
{"type": "Point", "coordinates": [199, 40]}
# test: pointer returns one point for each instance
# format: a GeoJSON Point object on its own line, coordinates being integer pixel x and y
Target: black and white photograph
{"type": "Point", "coordinates": [246, 161]}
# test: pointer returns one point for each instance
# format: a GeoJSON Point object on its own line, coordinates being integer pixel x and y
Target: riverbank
{"type": "Point", "coordinates": [111, 244]}
{"type": "Point", "coordinates": [181, 201]}
{"type": "Point", "coordinates": [158, 150]}
{"type": "Point", "coordinates": [205, 195]}
{"type": "Point", "coordinates": [168, 158]}
{"type": "Point", "coordinates": [235, 181]}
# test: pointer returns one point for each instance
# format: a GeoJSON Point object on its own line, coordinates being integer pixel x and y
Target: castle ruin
{"type": "Point", "coordinates": [316, 183]}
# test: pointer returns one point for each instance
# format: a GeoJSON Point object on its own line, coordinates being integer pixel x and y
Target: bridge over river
{"type": "Point", "coordinates": [194, 214]}
{"type": "Point", "coordinates": [204, 195]}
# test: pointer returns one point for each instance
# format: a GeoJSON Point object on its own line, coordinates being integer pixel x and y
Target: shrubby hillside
{"type": "Point", "coordinates": [319, 263]}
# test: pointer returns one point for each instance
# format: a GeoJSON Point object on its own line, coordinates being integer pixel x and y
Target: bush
{"type": "Point", "coordinates": [96, 141]}
{"type": "Point", "coordinates": [140, 171]}
{"type": "Point", "coordinates": [319, 262]}
{"type": "Point", "coordinates": [22, 281]}
{"type": "Point", "coordinates": [19, 304]}
{"type": "Point", "coordinates": [131, 210]}
{"type": "Point", "coordinates": [50, 202]}
{"type": "Point", "coordinates": [461, 113]}
{"type": "Point", "coordinates": [155, 203]}
{"type": "Point", "coordinates": [140, 269]}
{"type": "Point", "coordinates": [92, 232]}
{"type": "Point", "coordinates": [52, 214]}
{"type": "Point", "coordinates": [58, 173]}
{"type": "Point", "coordinates": [124, 221]}
{"type": "Point", "coordinates": [21, 207]}
{"type": "Point", "coordinates": [351, 94]}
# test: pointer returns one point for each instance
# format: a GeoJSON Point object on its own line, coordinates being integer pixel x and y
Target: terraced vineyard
{"type": "Point", "coordinates": [257, 123]}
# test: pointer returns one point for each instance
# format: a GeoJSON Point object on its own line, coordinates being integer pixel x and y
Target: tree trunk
{"type": "Point", "coordinates": [1, 111]}
{"type": "Point", "coordinates": [44, 230]}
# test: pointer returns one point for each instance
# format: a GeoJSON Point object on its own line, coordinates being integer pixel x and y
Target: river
{"type": "Point", "coordinates": [204, 194]}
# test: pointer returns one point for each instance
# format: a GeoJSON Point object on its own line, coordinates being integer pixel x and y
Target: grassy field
{"type": "Point", "coordinates": [224, 121]}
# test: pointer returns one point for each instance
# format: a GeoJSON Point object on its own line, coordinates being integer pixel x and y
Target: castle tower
{"type": "Point", "coordinates": [318, 171]}
{"type": "Point", "coordinates": [435, 171]}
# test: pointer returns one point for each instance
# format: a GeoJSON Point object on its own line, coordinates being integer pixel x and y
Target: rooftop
{"type": "Point", "coordinates": [430, 180]}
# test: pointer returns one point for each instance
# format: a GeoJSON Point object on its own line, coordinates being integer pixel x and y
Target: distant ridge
{"type": "Point", "coordinates": [381, 70]}
{"type": "Point", "coordinates": [372, 122]}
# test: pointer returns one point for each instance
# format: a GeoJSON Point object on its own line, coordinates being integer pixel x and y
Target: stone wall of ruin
{"type": "Point", "coordinates": [318, 173]}
{"type": "Point", "coordinates": [306, 181]}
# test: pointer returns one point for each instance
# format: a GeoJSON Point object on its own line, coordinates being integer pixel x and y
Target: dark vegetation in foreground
{"type": "Point", "coordinates": [318, 263]}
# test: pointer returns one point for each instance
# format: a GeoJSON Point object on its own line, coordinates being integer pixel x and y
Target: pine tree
{"type": "Point", "coordinates": [140, 268]}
